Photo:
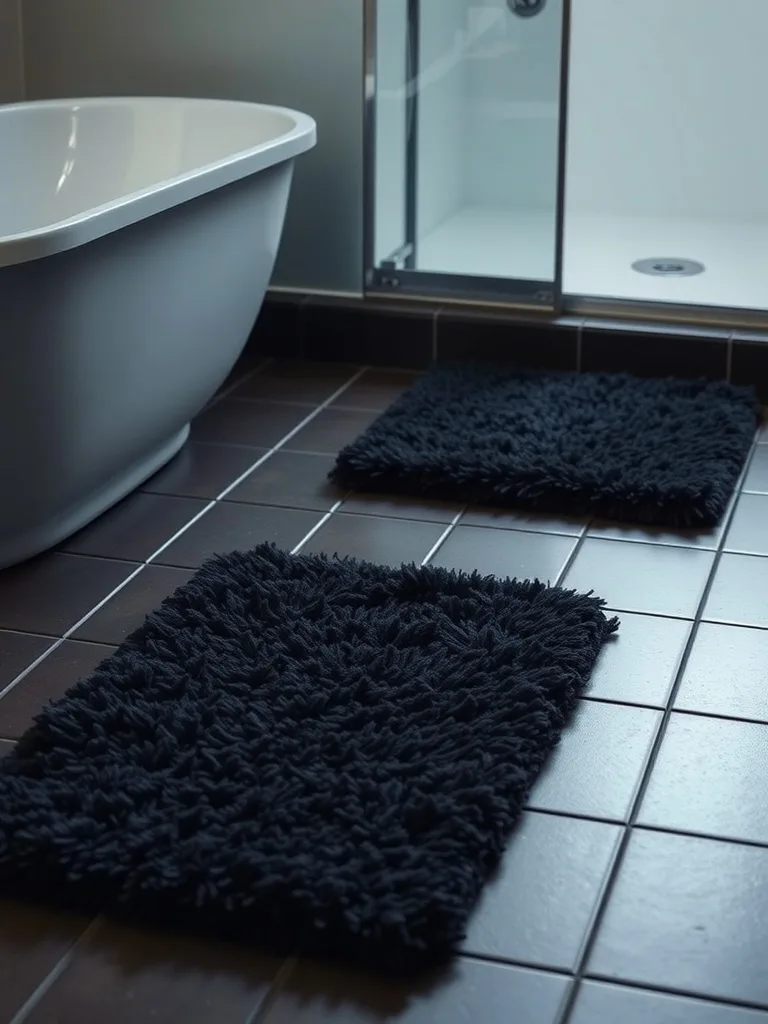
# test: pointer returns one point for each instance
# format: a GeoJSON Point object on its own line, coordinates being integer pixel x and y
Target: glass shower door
{"type": "Point", "coordinates": [466, 148]}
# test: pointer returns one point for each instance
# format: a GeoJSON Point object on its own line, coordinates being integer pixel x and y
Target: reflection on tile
{"type": "Point", "coordinates": [135, 528]}
{"type": "Point", "coordinates": [330, 430]}
{"type": "Point", "coordinates": [540, 905]}
{"type": "Point", "coordinates": [506, 553]}
{"type": "Point", "coordinates": [727, 673]}
{"type": "Point", "coordinates": [292, 480]}
{"type": "Point", "coordinates": [710, 777]}
{"type": "Point", "coordinates": [748, 531]}
{"type": "Point", "coordinates": [507, 519]}
{"type": "Point", "coordinates": [639, 664]}
{"type": "Point", "coordinates": [402, 508]}
{"type": "Point", "coordinates": [376, 389]}
{"type": "Point", "coordinates": [599, 1003]}
{"type": "Point", "coordinates": [17, 650]}
{"type": "Point", "coordinates": [757, 474]}
{"type": "Point", "coordinates": [127, 610]}
{"type": "Point", "coordinates": [202, 470]}
{"type": "Point", "coordinates": [465, 992]}
{"type": "Point", "coordinates": [126, 976]}
{"type": "Point", "coordinates": [296, 382]}
{"type": "Point", "coordinates": [739, 592]}
{"type": "Point", "coordinates": [32, 942]}
{"type": "Point", "coordinates": [574, 779]}
{"type": "Point", "coordinates": [708, 538]}
{"type": "Point", "coordinates": [233, 527]}
{"type": "Point", "coordinates": [244, 422]}
{"type": "Point", "coordinates": [689, 914]}
{"type": "Point", "coordinates": [386, 541]}
{"type": "Point", "coordinates": [50, 593]}
{"type": "Point", "coordinates": [48, 681]}
{"type": "Point", "coordinates": [642, 577]}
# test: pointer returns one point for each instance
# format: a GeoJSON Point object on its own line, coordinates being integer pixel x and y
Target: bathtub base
{"type": "Point", "coordinates": [46, 535]}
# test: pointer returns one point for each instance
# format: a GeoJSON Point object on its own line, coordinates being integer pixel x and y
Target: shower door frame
{"type": "Point", "coordinates": [402, 280]}
{"type": "Point", "coordinates": [513, 294]}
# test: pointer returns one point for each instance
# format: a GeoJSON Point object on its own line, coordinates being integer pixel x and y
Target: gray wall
{"type": "Point", "coordinates": [274, 51]}
{"type": "Point", "coordinates": [11, 75]}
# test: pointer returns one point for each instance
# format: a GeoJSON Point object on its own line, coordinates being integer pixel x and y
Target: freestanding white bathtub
{"type": "Point", "coordinates": [137, 239]}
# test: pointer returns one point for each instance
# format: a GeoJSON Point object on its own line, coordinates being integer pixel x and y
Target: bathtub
{"type": "Point", "coordinates": [137, 239]}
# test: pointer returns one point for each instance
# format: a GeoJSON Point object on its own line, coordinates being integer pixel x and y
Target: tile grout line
{"type": "Point", "coordinates": [568, 563]}
{"type": "Point", "coordinates": [246, 375]}
{"type": "Point", "coordinates": [198, 515]}
{"type": "Point", "coordinates": [311, 533]}
{"type": "Point", "coordinates": [600, 910]}
{"type": "Point", "coordinates": [264, 1007]}
{"type": "Point", "coordinates": [55, 973]}
{"type": "Point", "coordinates": [635, 986]}
{"type": "Point", "coordinates": [443, 537]}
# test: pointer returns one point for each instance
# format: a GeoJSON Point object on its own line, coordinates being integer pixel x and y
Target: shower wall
{"type": "Point", "coordinates": [487, 138]}
{"type": "Point", "coordinates": [667, 149]}
{"type": "Point", "coordinates": [667, 108]}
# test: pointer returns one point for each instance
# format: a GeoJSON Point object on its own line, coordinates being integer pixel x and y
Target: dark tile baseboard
{"type": "Point", "coordinates": [414, 335]}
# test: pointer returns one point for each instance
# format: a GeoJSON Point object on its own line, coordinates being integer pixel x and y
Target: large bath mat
{"type": "Point", "coordinates": [323, 755]}
{"type": "Point", "coordinates": [661, 452]}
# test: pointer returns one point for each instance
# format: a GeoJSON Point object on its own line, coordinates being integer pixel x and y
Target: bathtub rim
{"type": "Point", "coordinates": [97, 221]}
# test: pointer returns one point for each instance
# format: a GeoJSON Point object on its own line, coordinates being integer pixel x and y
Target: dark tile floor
{"type": "Point", "coordinates": [635, 888]}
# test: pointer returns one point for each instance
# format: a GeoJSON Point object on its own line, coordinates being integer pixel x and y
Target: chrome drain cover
{"type": "Point", "coordinates": [665, 266]}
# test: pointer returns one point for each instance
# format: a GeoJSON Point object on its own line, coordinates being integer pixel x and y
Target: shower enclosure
{"type": "Point", "coordinates": [571, 155]}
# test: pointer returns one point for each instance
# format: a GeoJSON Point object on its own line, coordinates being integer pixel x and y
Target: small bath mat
{"type": "Point", "coordinates": [324, 755]}
{"type": "Point", "coordinates": [658, 452]}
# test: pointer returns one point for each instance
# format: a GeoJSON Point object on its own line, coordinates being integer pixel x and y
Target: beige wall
{"type": "Point", "coordinates": [11, 75]}
{"type": "Point", "coordinates": [306, 54]}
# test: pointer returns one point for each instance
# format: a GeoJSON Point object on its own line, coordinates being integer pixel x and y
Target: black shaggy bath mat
{"type": "Point", "coordinates": [659, 452]}
{"type": "Point", "coordinates": [325, 755]}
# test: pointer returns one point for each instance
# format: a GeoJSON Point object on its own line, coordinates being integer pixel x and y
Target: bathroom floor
{"type": "Point", "coordinates": [599, 252]}
{"type": "Point", "coordinates": [635, 888]}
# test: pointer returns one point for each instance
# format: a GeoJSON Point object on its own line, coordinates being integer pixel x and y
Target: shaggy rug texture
{"type": "Point", "coordinates": [660, 452]}
{"type": "Point", "coordinates": [322, 755]}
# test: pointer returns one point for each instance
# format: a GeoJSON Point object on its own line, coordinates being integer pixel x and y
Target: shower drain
{"type": "Point", "coordinates": [666, 267]}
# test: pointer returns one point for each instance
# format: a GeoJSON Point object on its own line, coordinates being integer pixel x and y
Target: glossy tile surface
{"type": "Point", "coordinates": [748, 532]}
{"type": "Point", "coordinates": [739, 591]}
{"type": "Point", "coordinates": [600, 1003]}
{"type": "Point", "coordinates": [50, 594]}
{"type": "Point", "coordinates": [127, 610]}
{"type": "Point", "coordinates": [639, 664]}
{"type": "Point", "coordinates": [331, 429]}
{"type": "Point", "coordinates": [710, 778]}
{"type": "Point", "coordinates": [727, 672]}
{"type": "Point", "coordinates": [688, 914]}
{"type": "Point", "coordinates": [376, 389]}
{"type": "Point", "coordinates": [233, 526]}
{"type": "Point", "coordinates": [467, 991]}
{"type": "Point", "coordinates": [291, 480]}
{"type": "Point", "coordinates": [652, 578]}
{"type": "Point", "coordinates": [49, 680]}
{"type": "Point", "coordinates": [575, 781]}
{"type": "Point", "coordinates": [202, 470]}
{"type": "Point", "coordinates": [135, 528]}
{"type": "Point", "coordinates": [122, 975]}
{"type": "Point", "coordinates": [668, 909]}
{"type": "Point", "coordinates": [388, 541]}
{"type": "Point", "coordinates": [506, 553]}
{"type": "Point", "coordinates": [539, 906]}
